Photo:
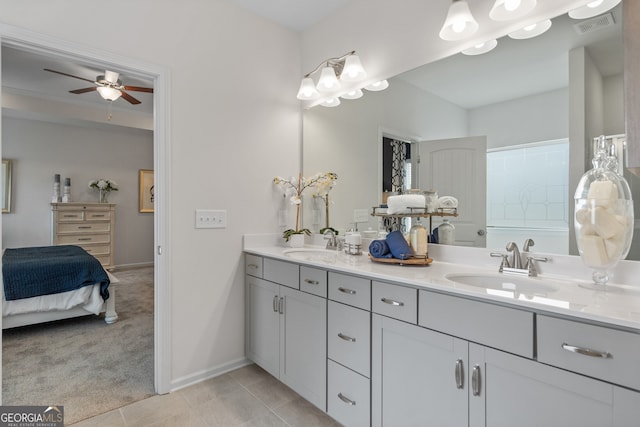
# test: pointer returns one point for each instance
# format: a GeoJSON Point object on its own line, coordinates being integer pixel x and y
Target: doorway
{"type": "Point", "coordinates": [25, 40]}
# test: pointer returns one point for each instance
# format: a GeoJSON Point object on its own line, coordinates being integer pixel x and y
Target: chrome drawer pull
{"type": "Point", "coordinates": [586, 351]}
{"type": "Point", "coordinates": [459, 374]}
{"type": "Point", "coordinates": [281, 305]}
{"type": "Point", "coordinates": [392, 302]}
{"type": "Point", "coordinates": [311, 282]}
{"type": "Point", "coordinates": [346, 400]}
{"type": "Point", "coordinates": [346, 337]}
{"type": "Point", "coordinates": [275, 303]}
{"type": "Point", "coordinates": [252, 266]}
{"type": "Point", "coordinates": [347, 291]}
{"type": "Point", "coordinates": [475, 380]}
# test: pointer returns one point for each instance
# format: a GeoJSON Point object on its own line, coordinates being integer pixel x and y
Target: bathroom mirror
{"type": "Point", "coordinates": [452, 98]}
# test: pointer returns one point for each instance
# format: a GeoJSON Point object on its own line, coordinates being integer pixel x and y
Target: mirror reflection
{"type": "Point", "coordinates": [537, 103]}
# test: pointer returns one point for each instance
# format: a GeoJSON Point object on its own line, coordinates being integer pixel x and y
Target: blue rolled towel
{"type": "Point", "coordinates": [380, 249]}
{"type": "Point", "coordinates": [398, 245]}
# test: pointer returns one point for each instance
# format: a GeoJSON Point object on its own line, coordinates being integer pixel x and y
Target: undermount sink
{"type": "Point", "coordinates": [503, 282]}
{"type": "Point", "coordinates": [312, 254]}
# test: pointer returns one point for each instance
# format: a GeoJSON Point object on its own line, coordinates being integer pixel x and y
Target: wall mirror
{"type": "Point", "coordinates": [567, 83]}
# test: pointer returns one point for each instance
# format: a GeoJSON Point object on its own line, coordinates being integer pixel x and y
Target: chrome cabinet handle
{"type": "Point", "coordinates": [347, 291]}
{"type": "Point", "coordinates": [476, 380]}
{"type": "Point", "coordinates": [281, 305]}
{"type": "Point", "coordinates": [586, 351]}
{"type": "Point", "coordinates": [346, 337]}
{"type": "Point", "coordinates": [346, 400]}
{"type": "Point", "coordinates": [392, 302]}
{"type": "Point", "coordinates": [459, 374]}
{"type": "Point", "coordinates": [311, 282]}
{"type": "Point", "coordinates": [252, 265]}
{"type": "Point", "coordinates": [275, 303]}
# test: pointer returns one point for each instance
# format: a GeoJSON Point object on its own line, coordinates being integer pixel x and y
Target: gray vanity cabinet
{"type": "Point", "coordinates": [286, 330]}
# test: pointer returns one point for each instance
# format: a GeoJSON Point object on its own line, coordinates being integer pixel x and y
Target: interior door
{"type": "Point", "coordinates": [458, 167]}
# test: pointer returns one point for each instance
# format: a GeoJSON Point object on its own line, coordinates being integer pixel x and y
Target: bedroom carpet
{"type": "Point", "coordinates": [84, 364]}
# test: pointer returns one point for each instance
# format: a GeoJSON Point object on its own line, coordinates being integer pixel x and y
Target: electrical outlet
{"type": "Point", "coordinates": [360, 215]}
{"type": "Point", "coordinates": [206, 218]}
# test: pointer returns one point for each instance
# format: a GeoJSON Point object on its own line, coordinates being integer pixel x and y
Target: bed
{"type": "Point", "coordinates": [47, 283]}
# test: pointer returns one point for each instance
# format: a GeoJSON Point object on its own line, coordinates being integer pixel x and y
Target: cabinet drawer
{"type": "Point", "coordinates": [97, 250]}
{"type": "Point", "coordinates": [348, 396]}
{"type": "Point", "coordinates": [79, 239]}
{"type": "Point", "coordinates": [104, 259]}
{"type": "Point", "coordinates": [64, 216]}
{"type": "Point", "coordinates": [349, 337]}
{"type": "Point", "coordinates": [84, 227]}
{"type": "Point", "coordinates": [500, 327]}
{"type": "Point", "coordinates": [596, 351]}
{"type": "Point", "coordinates": [313, 281]}
{"type": "Point", "coordinates": [395, 301]}
{"type": "Point", "coordinates": [281, 272]}
{"type": "Point", "coordinates": [98, 216]}
{"type": "Point", "coordinates": [253, 265]}
{"type": "Point", "coordinates": [351, 290]}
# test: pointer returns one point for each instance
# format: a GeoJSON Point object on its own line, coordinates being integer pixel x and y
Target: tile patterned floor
{"type": "Point", "coordinates": [246, 397]}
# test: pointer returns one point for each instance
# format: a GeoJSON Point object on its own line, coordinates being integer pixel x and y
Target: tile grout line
{"type": "Point", "coordinates": [264, 403]}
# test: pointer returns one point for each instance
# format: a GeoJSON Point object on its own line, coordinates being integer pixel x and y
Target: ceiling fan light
{"type": "Point", "coordinates": [353, 94]}
{"type": "Point", "coordinates": [594, 8]}
{"type": "Point", "coordinates": [330, 102]}
{"type": "Point", "coordinates": [307, 90]}
{"type": "Point", "coordinates": [353, 70]}
{"type": "Point", "coordinates": [504, 10]}
{"type": "Point", "coordinates": [459, 24]}
{"type": "Point", "coordinates": [531, 31]}
{"type": "Point", "coordinates": [109, 93]}
{"type": "Point", "coordinates": [377, 86]}
{"type": "Point", "coordinates": [328, 81]}
{"type": "Point", "coordinates": [481, 48]}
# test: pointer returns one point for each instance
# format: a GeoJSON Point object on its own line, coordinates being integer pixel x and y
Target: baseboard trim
{"type": "Point", "coordinates": [122, 267]}
{"type": "Point", "coordinates": [204, 375]}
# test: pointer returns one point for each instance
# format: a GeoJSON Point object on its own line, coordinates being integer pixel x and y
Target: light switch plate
{"type": "Point", "coordinates": [206, 218]}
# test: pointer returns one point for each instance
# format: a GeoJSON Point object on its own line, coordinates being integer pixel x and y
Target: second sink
{"type": "Point", "coordinates": [523, 285]}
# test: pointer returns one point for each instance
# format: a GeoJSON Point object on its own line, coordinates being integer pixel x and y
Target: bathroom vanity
{"type": "Point", "coordinates": [388, 345]}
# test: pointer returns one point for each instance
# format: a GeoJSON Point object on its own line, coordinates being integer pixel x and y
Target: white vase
{"type": "Point", "coordinates": [296, 241]}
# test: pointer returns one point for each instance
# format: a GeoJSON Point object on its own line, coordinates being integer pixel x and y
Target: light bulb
{"type": "Point", "coordinates": [511, 5]}
{"type": "Point", "coordinates": [307, 89]}
{"type": "Point", "coordinates": [328, 80]}
{"type": "Point", "coordinates": [458, 26]}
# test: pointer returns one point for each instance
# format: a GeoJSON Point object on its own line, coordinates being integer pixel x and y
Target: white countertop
{"type": "Point", "coordinates": [618, 306]}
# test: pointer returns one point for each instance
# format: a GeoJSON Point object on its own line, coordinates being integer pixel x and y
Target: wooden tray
{"type": "Point", "coordinates": [409, 261]}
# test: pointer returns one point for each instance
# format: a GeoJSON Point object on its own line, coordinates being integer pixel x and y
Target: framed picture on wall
{"type": "Point", "coordinates": [6, 185]}
{"type": "Point", "coordinates": [147, 190]}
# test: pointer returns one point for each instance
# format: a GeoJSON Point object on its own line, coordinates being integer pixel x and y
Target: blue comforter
{"type": "Point", "coordinates": [34, 271]}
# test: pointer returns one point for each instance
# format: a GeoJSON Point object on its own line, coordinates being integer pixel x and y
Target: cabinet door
{"type": "Point", "coordinates": [413, 376]}
{"type": "Point", "coordinates": [263, 324]}
{"type": "Point", "coordinates": [303, 362]}
{"type": "Point", "coordinates": [525, 393]}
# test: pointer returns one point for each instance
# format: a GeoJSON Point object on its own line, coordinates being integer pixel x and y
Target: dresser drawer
{"type": "Point", "coordinates": [349, 337]}
{"type": "Point", "coordinates": [313, 281]}
{"type": "Point", "coordinates": [79, 239]}
{"type": "Point", "coordinates": [64, 216]}
{"type": "Point", "coordinates": [504, 328]}
{"type": "Point", "coordinates": [348, 396]}
{"type": "Point", "coordinates": [281, 272]}
{"type": "Point", "coordinates": [97, 250]}
{"type": "Point", "coordinates": [395, 301]}
{"type": "Point", "coordinates": [97, 216]}
{"type": "Point", "coordinates": [596, 351]}
{"type": "Point", "coordinates": [105, 260]}
{"type": "Point", "coordinates": [351, 290]}
{"type": "Point", "coordinates": [253, 265]}
{"type": "Point", "coordinates": [84, 227]}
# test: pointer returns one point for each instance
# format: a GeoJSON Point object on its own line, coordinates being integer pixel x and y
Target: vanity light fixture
{"type": "Point", "coordinates": [460, 23]}
{"type": "Point", "coordinates": [331, 102]}
{"type": "Point", "coordinates": [593, 8]}
{"type": "Point", "coordinates": [377, 86]}
{"type": "Point", "coordinates": [353, 94]}
{"type": "Point", "coordinates": [505, 10]}
{"type": "Point", "coordinates": [531, 31]}
{"type": "Point", "coordinates": [481, 48]}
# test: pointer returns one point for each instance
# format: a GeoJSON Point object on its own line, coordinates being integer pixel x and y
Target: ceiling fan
{"type": "Point", "coordinates": [108, 86]}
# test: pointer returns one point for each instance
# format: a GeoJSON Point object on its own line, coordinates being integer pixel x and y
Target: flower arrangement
{"type": "Point", "coordinates": [293, 188]}
{"type": "Point", "coordinates": [105, 186]}
{"type": "Point", "coordinates": [323, 188]}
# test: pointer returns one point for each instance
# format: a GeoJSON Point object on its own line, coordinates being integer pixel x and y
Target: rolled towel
{"type": "Point", "coordinates": [380, 249]}
{"type": "Point", "coordinates": [447, 202]}
{"type": "Point", "coordinates": [402, 203]}
{"type": "Point", "coordinates": [398, 245]}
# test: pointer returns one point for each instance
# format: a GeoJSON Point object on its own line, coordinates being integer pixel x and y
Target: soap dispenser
{"type": "Point", "coordinates": [446, 233]}
{"type": "Point", "coordinates": [418, 239]}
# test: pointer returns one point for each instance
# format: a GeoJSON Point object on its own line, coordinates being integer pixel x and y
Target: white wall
{"type": "Point", "coordinates": [41, 149]}
{"type": "Point", "coordinates": [235, 124]}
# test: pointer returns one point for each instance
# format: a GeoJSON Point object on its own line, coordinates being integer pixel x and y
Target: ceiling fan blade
{"type": "Point", "coordinates": [129, 98]}
{"type": "Point", "coordinates": [139, 89]}
{"type": "Point", "coordinates": [85, 90]}
{"type": "Point", "coordinates": [69, 75]}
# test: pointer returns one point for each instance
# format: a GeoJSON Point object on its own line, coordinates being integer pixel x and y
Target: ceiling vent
{"type": "Point", "coordinates": [594, 24]}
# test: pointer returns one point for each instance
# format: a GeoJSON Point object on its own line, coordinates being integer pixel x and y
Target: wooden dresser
{"type": "Point", "coordinates": [88, 225]}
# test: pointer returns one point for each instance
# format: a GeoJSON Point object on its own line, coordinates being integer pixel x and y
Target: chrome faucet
{"type": "Point", "coordinates": [516, 260]}
{"type": "Point", "coordinates": [515, 266]}
{"type": "Point", "coordinates": [332, 241]}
